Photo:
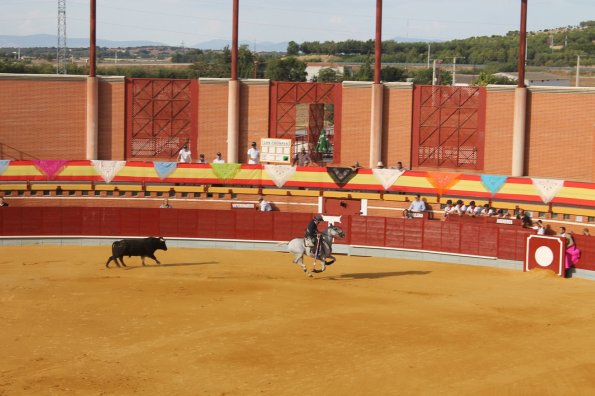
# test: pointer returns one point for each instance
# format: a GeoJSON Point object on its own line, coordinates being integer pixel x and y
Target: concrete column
{"type": "Point", "coordinates": [233, 121]}
{"type": "Point", "coordinates": [92, 118]}
{"type": "Point", "coordinates": [376, 124]}
{"type": "Point", "coordinates": [518, 132]}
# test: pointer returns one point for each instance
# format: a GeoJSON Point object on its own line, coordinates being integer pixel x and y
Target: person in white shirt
{"type": "Point", "coordinates": [447, 208]}
{"type": "Point", "coordinates": [201, 159]}
{"type": "Point", "coordinates": [264, 205]}
{"type": "Point", "coordinates": [417, 205]}
{"type": "Point", "coordinates": [185, 156]}
{"type": "Point", "coordinates": [470, 209]}
{"type": "Point", "coordinates": [540, 228]}
{"type": "Point", "coordinates": [253, 154]}
{"type": "Point", "coordinates": [218, 159]}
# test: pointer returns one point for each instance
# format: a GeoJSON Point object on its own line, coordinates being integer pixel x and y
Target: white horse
{"type": "Point", "coordinates": [298, 248]}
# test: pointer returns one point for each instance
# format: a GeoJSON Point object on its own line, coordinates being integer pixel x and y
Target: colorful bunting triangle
{"type": "Point", "coordinates": [547, 188]}
{"type": "Point", "coordinates": [108, 169]}
{"type": "Point", "coordinates": [280, 174]}
{"type": "Point", "coordinates": [164, 169]}
{"type": "Point", "coordinates": [442, 181]}
{"type": "Point", "coordinates": [225, 171]}
{"type": "Point", "coordinates": [493, 183]}
{"type": "Point", "coordinates": [50, 168]}
{"type": "Point", "coordinates": [3, 165]}
{"type": "Point", "coordinates": [387, 177]}
{"type": "Point", "coordinates": [340, 175]}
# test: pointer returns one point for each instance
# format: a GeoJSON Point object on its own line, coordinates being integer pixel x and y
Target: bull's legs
{"type": "Point", "coordinates": [121, 260]}
{"type": "Point", "coordinates": [150, 256]}
{"type": "Point", "coordinates": [115, 260]}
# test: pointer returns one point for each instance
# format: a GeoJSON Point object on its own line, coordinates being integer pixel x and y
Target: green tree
{"type": "Point", "coordinates": [293, 48]}
{"type": "Point", "coordinates": [365, 72]}
{"type": "Point", "coordinates": [486, 78]}
{"type": "Point", "coordinates": [328, 75]}
{"type": "Point", "coordinates": [391, 73]}
{"type": "Point", "coordinates": [286, 69]}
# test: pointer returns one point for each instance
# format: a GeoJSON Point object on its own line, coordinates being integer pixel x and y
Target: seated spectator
{"type": "Point", "coordinates": [218, 159]}
{"type": "Point", "coordinates": [264, 205]}
{"type": "Point", "coordinates": [400, 167]}
{"type": "Point", "coordinates": [379, 165]}
{"type": "Point", "coordinates": [356, 166]}
{"type": "Point", "coordinates": [201, 159]}
{"type": "Point", "coordinates": [165, 204]}
{"type": "Point", "coordinates": [502, 213]}
{"type": "Point", "coordinates": [302, 158]}
{"type": "Point", "coordinates": [3, 202]}
{"type": "Point", "coordinates": [417, 205]}
{"type": "Point", "coordinates": [586, 232]}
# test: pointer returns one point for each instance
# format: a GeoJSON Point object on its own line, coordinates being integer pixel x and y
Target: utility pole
{"type": "Point", "coordinates": [454, 65]}
{"type": "Point", "coordinates": [429, 48]}
{"type": "Point", "coordinates": [578, 65]}
{"type": "Point", "coordinates": [61, 51]}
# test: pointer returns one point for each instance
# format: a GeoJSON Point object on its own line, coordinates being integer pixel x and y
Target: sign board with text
{"type": "Point", "coordinates": [275, 151]}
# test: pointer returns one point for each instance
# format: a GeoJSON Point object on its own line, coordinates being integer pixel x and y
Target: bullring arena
{"type": "Point", "coordinates": [418, 303]}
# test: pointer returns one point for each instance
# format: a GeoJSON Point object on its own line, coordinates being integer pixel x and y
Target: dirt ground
{"type": "Point", "coordinates": [228, 322]}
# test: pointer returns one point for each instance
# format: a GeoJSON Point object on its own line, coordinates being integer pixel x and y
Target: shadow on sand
{"type": "Point", "coordinates": [170, 265]}
{"type": "Point", "coordinates": [376, 275]}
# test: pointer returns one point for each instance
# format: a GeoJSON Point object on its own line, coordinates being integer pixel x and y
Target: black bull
{"type": "Point", "coordinates": [136, 247]}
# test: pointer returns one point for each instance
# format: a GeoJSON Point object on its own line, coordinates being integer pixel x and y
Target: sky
{"type": "Point", "coordinates": [186, 22]}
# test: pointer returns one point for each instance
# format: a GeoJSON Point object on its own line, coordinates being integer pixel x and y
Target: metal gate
{"type": "Point", "coordinates": [161, 116]}
{"type": "Point", "coordinates": [285, 98]}
{"type": "Point", "coordinates": [448, 127]}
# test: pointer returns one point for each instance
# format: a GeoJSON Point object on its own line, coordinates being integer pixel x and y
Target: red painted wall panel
{"type": "Point", "coordinates": [414, 231]}
{"type": "Point", "coordinates": [395, 233]}
{"type": "Point", "coordinates": [432, 236]}
{"type": "Point", "coordinates": [502, 241]}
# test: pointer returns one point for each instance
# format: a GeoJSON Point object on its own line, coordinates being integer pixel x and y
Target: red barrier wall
{"type": "Point", "coordinates": [470, 237]}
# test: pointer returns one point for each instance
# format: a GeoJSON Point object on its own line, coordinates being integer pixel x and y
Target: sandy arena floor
{"type": "Point", "coordinates": [226, 322]}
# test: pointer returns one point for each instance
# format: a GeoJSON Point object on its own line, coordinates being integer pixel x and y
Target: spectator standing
{"type": "Point", "coordinates": [471, 209]}
{"type": "Point", "coordinates": [3, 202]}
{"type": "Point", "coordinates": [264, 205]}
{"type": "Point", "coordinates": [356, 166]}
{"type": "Point", "coordinates": [417, 205]}
{"type": "Point", "coordinates": [302, 158]}
{"type": "Point", "coordinates": [185, 156]}
{"type": "Point", "coordinates": [253, 154]}
{"type": "Point", "coordinates": [380, 165]}
{"type": "Point", "coordinates": [201, 159]}
{"type": "Point", "coordinates": [218, 159]}
{"type": "Point", "coordinates": [165, 204]}
{"type": "Point", "coordinates": [586, 232]}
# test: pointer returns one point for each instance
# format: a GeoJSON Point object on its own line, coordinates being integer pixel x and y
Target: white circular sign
{"type": "Point", "coordinates": [544, 256]}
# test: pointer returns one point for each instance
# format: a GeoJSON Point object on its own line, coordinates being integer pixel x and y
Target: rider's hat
{"type": "Point", "coordinates": [317, 217]}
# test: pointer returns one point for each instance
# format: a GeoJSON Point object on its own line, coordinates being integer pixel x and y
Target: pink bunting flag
{"type": "Point", "coordinates": [50, 168]}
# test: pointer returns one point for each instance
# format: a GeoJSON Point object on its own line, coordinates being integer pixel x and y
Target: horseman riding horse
{"type": "Point", "coordinates": [322, 251]}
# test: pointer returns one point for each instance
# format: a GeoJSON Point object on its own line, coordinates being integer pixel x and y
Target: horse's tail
{"type": "Point", "coordinates": [283, 244]}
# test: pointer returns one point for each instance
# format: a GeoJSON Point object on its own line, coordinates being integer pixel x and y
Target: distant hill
{"type": "Point", "coordinates": [259, 46]}
{"type": "Point", "coordinates": [48, 40]}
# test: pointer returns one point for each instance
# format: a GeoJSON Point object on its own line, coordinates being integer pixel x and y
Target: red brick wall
{"type": "Point", "coordinates": [498, 132]}
{"type": "Point", "coordinates": [356, 123]}
{"type": "Point", "coordinates": [254, 114]}
{"type": "Point", "coordinates": [112, 118]}
{"type": "Point", "coordinates": [397, 114]}
{"type": "Point", "coordinates": [561, 132]}
{"type": "Point", "coordinates": [212, 118]}
{"type": "Point", "coordinates": [43, 117]}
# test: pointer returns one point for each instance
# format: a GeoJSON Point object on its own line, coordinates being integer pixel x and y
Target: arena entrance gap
{"type": "Point", "coordinates": [310, 115]}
